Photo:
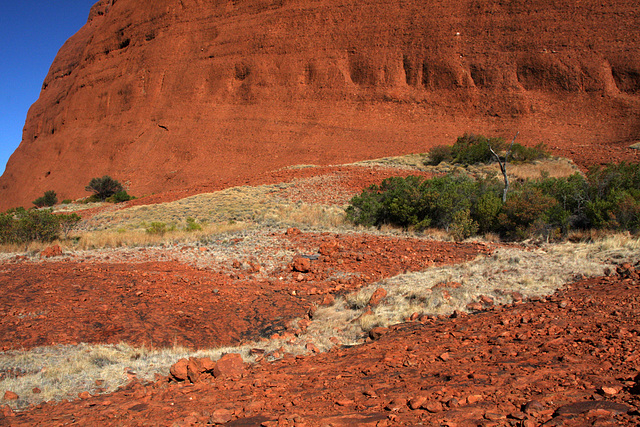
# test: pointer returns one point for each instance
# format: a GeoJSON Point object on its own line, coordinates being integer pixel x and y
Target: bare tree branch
{"type": "Point", "coordinates": [503, 166]}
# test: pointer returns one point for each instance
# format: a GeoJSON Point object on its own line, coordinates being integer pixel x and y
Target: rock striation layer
{"type": "Point", "coordinates": [166, 93]}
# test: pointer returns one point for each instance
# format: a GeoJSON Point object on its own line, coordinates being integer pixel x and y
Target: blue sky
{"type": "Point", "coordinates": [31, 33]}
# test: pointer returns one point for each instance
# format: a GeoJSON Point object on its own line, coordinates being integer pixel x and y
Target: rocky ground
{"type": "Point", "coordinates": [570, 358]}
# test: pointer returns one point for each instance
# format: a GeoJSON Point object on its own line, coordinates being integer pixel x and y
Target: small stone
{"type": "Point", "coordinates": [302, 265]}
{"type": "Point", "coordinates": [474, 306]}
{"type": "Point", "coordinates": [433, 406]}
{"type": "Point", "coordinates": [377, 332]}
{"type": "Point", "coordinates": [179, 370]}
{"type": "Point", "coordinates": [517, 415]}
{"type": "Point", "coordinates": [609, 390]}
{"type": "Point", "coordinates": [396, 404]}
{"type": "Point", "coordinates": [377, 297]}
{"type": "Point", "coordinates": [230, 365]}
{"type": "Point", "coordinates": [494, 416]}
{"type": "Point", "coordinates": [417, 402]}
{"type": "Point", "coordinates": [194, 370]}
{"type": "Point", "coordinates": [220, 416]}
{"type": "Point", "coordinates": [533, 407]}
{"type": "Point", "coordinates": [474, 398]}
{"type": "Point", "coordinates": [292, 231]}
{"type": "Point", "coordinates": [84, 395]}
{"type": "Point", "coordinates": [312, 348]}
{"type": "Point", "coordinates": [344, 402]}
{"type": "Point", "coordinates": [485, 300]}
{"type": "Point", "coordinates": [444, 357]}
{"type": "Point", "coordinates": [9, 395]}
{"type": "Point", "coordinates": [6, 411]}
{"type": "Point", "coordinates": [207, 364]}
{"type": "Point", "coordinates": [51, 251]}
{"type": "Point", "coordinates": [36, 390]}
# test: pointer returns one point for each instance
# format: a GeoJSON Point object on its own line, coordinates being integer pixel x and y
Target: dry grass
{"type": "Point", "coordinates": [529, 272]}
{"type": "Point", "coordinates": [139, 237]}
{"type": "Point", "coordinates": [262, 205]}
{"type": "Point", "coordinates": [554, 167]}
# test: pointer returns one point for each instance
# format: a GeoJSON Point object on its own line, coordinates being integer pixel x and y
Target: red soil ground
{"type": "Point", "coordinates": [570, 359]}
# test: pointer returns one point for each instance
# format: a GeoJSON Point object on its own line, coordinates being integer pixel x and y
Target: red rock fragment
{"type": "Point", "coordinates": [486, 301]}
{"type": "Point", "coordinates": [51, 251]}
{"type": "Point", "coordinates": [36, 390]}
{"type": "Point", "coordinates": [533, 407]}
{"type": "Point", "coordinates": [312, 348]}
{"type": "Point", "coordinates": [84, 395]}
{"type": "Point", "coordinates": [433, 406]}
{"type": "Point", "coordinates": [328, 248]}
{"type": "Point", "coordinates": [378, 295]}
{"type": "Point", "coordinates": [229, 366]}
{"type": "Point", "coordinates": [9, 395]}
{"type": "Point", "coordinates": [221, 416]}
{"type": "Point", "coordinates": [417, 402]}
{"type": "Point", "coordinates": [179, 370]}
{"type": "Point", "coordinates": [474, 398]}
{"type": "Point", "coordinates": [302, 265]}
{"type": "Point", "coordinates": [474, 306]}
{"type": "Point", "coordinates": [6, 411]}
{"type": "Point", "coordinates": [377, 332]}
{"type": "Point", "coordinates": [292, 231]}
{"type": "Point", "coordinates": [194, 370]}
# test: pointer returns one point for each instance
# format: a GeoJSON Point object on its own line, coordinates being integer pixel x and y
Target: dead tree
{"type": "Point", "coordinates": [503, 167]}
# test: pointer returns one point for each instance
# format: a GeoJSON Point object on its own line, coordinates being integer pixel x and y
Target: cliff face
{"type": "Point", "coordinates": [166, 93]}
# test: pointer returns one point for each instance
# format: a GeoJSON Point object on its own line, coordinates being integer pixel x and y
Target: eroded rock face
{"type": "Point", "coordinates": [166, 93]}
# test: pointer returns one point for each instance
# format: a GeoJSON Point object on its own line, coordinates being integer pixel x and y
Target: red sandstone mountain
{"type": "Point", "coordinates": [166, 93]}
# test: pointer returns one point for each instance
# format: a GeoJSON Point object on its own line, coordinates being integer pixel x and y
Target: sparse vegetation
{"type": "Point", "coordinates": [49, 199]}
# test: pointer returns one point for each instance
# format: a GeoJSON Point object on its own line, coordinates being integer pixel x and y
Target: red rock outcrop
{"type": "Point", "coordinates": [160, 94]}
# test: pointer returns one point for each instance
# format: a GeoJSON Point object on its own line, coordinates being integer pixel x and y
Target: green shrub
{"type": "Point", "coordinates": [20, 225]}
{"type": "Point", "coordinates": [470, 149]}
{"type": "Point", "coordinates": [524, 212]}
{"type": "Point", "coordinates": [462, 225]}
{"type": "Point", "coordinates": [486, 210]}
{"type": "Point", "coordinates": [49, 199]}
{"type": "Point", "coordinates": [67, 201]}
{"type": "Point", "coordinates": [608, 198]}
{"type": "Point", "coordinates": [158, 228]}
{"type": "Point", "coordinates": [119, 197]}
{"type": "Point", "coordinates": [522, 154]}
{"type": "Point", "coordinates": [192, 225]}
{"type": "Point", "coordinates": [439, 154]}
{"type": "Point", "coordinates": [104, 187]}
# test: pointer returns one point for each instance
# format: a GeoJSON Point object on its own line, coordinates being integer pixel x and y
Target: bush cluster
{"type": "Point", "coordinates": [49, 199]}
{"type": "Point", "coordinates": [107, 188]}
{"type": "Point", "coordinates": [471, 149]}
{"type": "Point", "coordinates": [20, 225]}
{"type": "Point", "coordinates": [607, 198]}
